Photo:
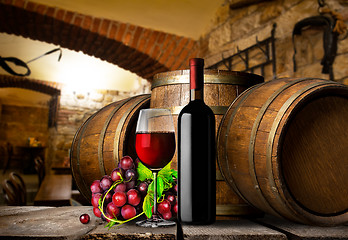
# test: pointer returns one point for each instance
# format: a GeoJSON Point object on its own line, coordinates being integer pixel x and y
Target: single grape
{"type": "Point", "coordinates": [121, 187]}
{"type": "Point", "coordinates": [175, 208]}
{"type": "Point", "coordinates": [84, 218]}
{"type": "Point", "coordinates": [105, 182]}
{"type": "Point", "coordinates": [130, 184]}
{"type": "Point", "coordinates": [95, 199]}
{"type": "Point", "coordinates": [164, 207]}
{"type": "Point", "coordinates": [128, 212]}
{"type": "Point", "coordinates": [112, 210]}
{"type": "Point", "coordinates": [131, 174]}
{"type": "Point", "coordinates": [115, 174]}
{"type": "Point", "coordinates": [167, 215]}
{"type": "Point", "coordinates": [171, 198]}
{"type": "Point", "coordinates": [108, 197]}
{"type": "Point", "coordinates": [97, 212]}
{"type": "Point", "coordinates": [142, 188]}
{"type": "Point", "coordinates": [126, 163]}
{"type": "Point", "coordinates": [119, 199]}
{"type": "Point", "coordinates": [133, 197]}
{"type": "Point", "coordinates": [95, 187]}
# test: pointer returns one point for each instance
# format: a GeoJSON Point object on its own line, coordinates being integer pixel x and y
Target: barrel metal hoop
{"type": "Point", "coordinates": [121, 123]}
{"type": "Point", "coordinates": [229, 176]}
{"type": "Point", "coordinates": [275, 126]}
{"type": "Point", "coordinates": [102, 136]}
{"type": "Point", "coordinates": [208, 79]}
{"type": "Point", "coordinates": [262, 111]}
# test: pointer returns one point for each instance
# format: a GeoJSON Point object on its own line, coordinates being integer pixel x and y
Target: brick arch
{"type": "Point", "coordinates": [49, 88]}
{"type": "Point", "coordinates": [140, 50]}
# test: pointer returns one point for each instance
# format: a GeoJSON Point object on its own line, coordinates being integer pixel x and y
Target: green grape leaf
{"type": "Point", "coordinates": [174, 173]}
{"type": "Point", "coordinates": [160, 186]}
{"type": "Point", "coordinates": [143, 172]}
{"type": "Point", "coordinates": [148, 203]}
{"type": "Point", "coordinates": [167, 184]}
{"type": "Point", "coordinates": [165, 181]}
{"type": "Point", "coordinates": [168, 173]}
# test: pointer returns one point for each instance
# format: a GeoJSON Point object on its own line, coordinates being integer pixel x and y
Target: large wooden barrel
{"type": "Point", "coordinates": [283, 147]}
{"type": "Point", "coordinates": [103, 139]}
{"type": "Point", "coordinates": [171, 90]}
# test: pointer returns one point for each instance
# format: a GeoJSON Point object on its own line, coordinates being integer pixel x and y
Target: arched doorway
{"type": "Point", "coordinates": [28, 109]}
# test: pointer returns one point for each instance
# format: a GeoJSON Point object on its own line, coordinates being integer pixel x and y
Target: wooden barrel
{"type": "Point", "coordinates": [103, 139]}
{"type": "Point", "coordinates": [283, 147]}
{"type": "Point", "coordinates": [171, 90]}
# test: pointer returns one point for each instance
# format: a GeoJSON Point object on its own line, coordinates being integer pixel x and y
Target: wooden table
{"type": "Point", "coordinates": [30, 222]}
{"type": "Point", "coordinates": [55, 190]}
{"type": "Point", "coordinates": [61, 168]}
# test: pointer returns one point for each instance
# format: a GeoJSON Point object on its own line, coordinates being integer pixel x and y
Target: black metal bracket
{"type": "Point", "coordinates": [266, 47]}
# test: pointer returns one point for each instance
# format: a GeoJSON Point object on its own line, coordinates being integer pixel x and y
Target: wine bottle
{"type": "Point", "coordinates": [196, 154]}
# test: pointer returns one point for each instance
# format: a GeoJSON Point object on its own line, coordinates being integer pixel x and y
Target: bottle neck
{"type": "Point", "coordinates": [196, 94]}
{"type": "Point", "coordinates": [196, 79]}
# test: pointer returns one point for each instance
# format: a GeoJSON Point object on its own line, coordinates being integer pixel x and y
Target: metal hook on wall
{"type": "Point", "coordinates": [18, 62]}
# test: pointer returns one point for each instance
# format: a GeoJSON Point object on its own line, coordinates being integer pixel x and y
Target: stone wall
{"type": "Point", "coordinates": [74, 109]}
{"type": "Point", "coordinates": [239, 27]}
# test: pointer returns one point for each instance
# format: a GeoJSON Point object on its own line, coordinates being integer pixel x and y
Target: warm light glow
{"type": "Point", "coordinates": [79, 71]}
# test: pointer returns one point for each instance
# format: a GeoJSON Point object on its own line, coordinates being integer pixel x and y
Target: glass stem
{"type": "Point", "coordinates": [155, 195]}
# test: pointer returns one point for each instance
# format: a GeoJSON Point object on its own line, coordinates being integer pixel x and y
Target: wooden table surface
{"type": "Point", "coordinates": [31, 222]}
{"type": "Point", "coordinates": [55, 190]}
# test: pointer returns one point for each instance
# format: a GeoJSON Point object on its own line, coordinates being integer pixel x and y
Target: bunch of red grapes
{"type": "Point", "coordinates": [125, 198]}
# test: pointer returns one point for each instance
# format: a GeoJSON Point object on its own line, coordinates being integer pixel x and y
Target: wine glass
{"type": "Point", "coordinates": [155, 147]}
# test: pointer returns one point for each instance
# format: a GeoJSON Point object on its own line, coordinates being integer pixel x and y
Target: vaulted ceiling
{"type": "Point", "coordinates": [143, 37]}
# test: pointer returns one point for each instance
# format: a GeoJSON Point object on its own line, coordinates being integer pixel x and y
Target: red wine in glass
{"type": "Point", "coordinates": [155, 149]}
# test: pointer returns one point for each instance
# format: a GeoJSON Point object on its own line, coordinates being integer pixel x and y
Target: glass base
{"type": "Point", "coordinates": [155, 222]}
